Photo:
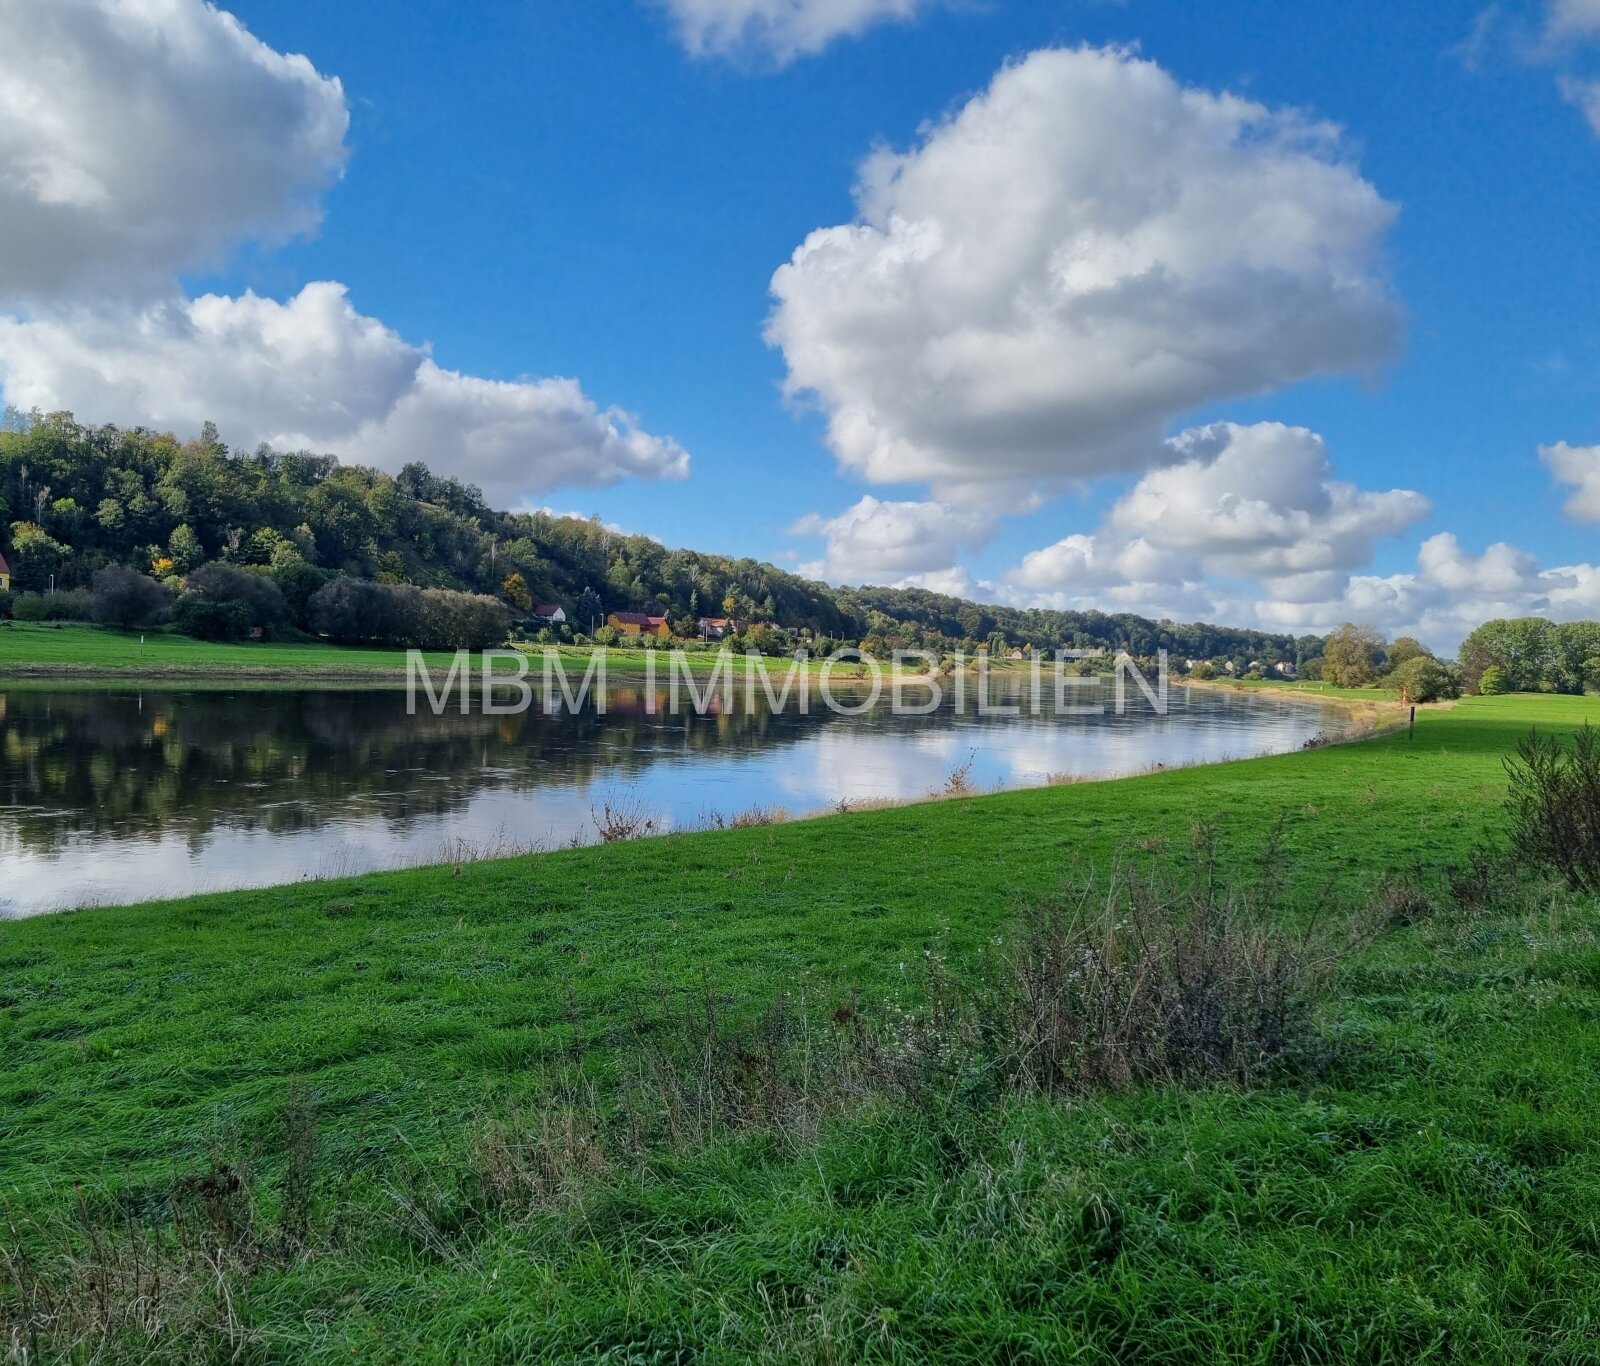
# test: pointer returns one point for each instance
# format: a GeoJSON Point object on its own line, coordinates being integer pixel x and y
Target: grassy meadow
{"type": "Point", "coordinates": [388, 1118]}
{"type": "Point", "coordinates": [77, 650]}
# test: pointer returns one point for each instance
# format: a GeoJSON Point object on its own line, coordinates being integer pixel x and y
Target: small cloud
{"type": "Point", "coordinates": [780, 30]}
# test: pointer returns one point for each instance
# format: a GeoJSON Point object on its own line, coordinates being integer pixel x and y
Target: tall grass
{"type": "Point", "coordinates": [1138, 980]}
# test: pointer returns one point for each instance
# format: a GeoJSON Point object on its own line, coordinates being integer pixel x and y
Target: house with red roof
{"type": "Point", "coordinates": [639, 624]}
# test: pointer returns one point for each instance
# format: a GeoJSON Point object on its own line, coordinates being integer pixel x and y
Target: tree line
{"type": "Point", "coordinates": [78, 499]}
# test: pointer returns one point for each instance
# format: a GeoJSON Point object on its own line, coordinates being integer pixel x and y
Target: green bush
{"type": "Point", "coordinates": [121, 597]}
{"type": "Point", "coordinates": [71, 605]}
{"type": "Point", "coordinates": [1494, 681]}
{"type": "Point", "coordinates": [255, 596]}
{"type": "Point", "coordinates": [212, 618]}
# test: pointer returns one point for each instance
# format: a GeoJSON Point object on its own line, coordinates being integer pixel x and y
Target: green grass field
{"type": "Point", "coordinates": [1430, 1191]}
{"type": "Point", "coordinates": [41, 648]}
{"type": "Point", "coordinates": [76, 650]}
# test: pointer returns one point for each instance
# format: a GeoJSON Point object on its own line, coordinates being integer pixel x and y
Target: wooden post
{"type": "Point", "coordinates": [1412, 735]}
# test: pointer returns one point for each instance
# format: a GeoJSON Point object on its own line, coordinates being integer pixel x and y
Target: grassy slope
{"type": "Point", "coordinates": [1446, 1198]}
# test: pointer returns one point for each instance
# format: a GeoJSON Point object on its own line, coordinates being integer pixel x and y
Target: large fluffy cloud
{"type": "Point", "coordinates": [780, 29]}
{"type": "Point", "coordinates": [314, 372]}
{"type": "Point", "coordinates": [895, 543]}
{"type": "Point", "coordinates": [1078, 256]}
{"type": "Point", "coordinates": [142, 137]}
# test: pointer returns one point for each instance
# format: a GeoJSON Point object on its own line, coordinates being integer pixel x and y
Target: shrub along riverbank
{"type": "Point", "coordinates": [788, 1091]}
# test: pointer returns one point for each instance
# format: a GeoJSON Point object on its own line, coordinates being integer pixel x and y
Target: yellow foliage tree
{"type": "Point", "coordinates": [515, 591]}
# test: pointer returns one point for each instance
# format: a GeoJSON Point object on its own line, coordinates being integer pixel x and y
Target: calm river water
{"type": "Point", "coordinates": [112, 795]}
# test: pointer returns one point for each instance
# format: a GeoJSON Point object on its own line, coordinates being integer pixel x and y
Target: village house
{"type": "Point", "coordinates": [715, 628]}
{"type": "Point", "coordinates": [550, 614]}
{"type": "Point", "coordinates": [639, 624]}
{"type": "Point", "coordinates": [5, 575]}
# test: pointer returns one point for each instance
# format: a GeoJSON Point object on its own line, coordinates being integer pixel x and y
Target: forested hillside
{"type": "Point", "coordinates": [75, 499]}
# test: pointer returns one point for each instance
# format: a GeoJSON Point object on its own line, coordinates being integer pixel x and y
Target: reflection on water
{"type": "Point", "coordinates": [118, 796]}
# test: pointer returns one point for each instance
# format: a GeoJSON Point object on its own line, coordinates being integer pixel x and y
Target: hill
{"type": "Point", "coordinates": [74, 499]}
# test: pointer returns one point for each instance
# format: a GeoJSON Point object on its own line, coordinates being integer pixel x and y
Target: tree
{"type": "Point", "coordinates": [36, 555]}
{"type": "Point", "coordinates": [121, 597]}
{"type": "Point", "coordinates": [297, 581]}
{"type": "Point", "coordinates": [353, 611]}
{"type": "Point", "coordinates": [1493, 681]}
{"type": "Point", "coordinates": [1404, 649]}
{"type": "Point", "coordinates": [184, 549]}
{"type": "Point", "coordinates": [1577, 656]}
{"type": "Point", "coordinates": [258, 598]}
{"type": "Point", "coordinates": [1422, 678]}
{"type": "Point", "coordinates": [1350, 656]}
{"type": "Point", "coordinates": [589, 612]}
{"type": "Point", "coordinates": [515, 591]}
{"type": "Point", "coordinates": [211, 618]}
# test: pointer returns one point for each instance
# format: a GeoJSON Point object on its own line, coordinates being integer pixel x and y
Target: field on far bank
{"type": "Point", "coordinates": [361, 1053]}
{"type": "Point", "coordinates": [44, 649]}
{"type": "Point", "coordinates": [79, 650]}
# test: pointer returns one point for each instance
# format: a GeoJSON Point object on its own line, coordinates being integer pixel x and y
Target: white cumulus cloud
{"type": "Point", "coordinates": [139, 138]}
{"type": "Point", "coordinates": [313, 372]}
{"type": "Point", "coordinates": [1451, 591]}
{"type": "Point", "coordinates": [1500, 571]}
{"type": "Point", "coordinates": [1257, 502]}
{"type": "Point", "coordinates": [1067, 264]}
{"type": "Point", "coordinates": [779, 29]}
{"type": "Point", "coordinates": [1260, 501]}
{"type": "Point", "coordinates": [895, 543]}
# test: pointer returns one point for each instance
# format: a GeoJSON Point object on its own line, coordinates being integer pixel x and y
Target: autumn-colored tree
{"type": "Point", "coordinates": [515, 591]}
{"type": "Point", "coordinates": [1350, 656]}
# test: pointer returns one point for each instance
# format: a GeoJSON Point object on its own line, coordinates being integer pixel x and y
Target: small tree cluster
{"type": "Point", "coordinates": [1530, 654]}
{"type": "Point", "coordinates": [222, 602]}
{"type": "Point", "coordinates": [358, 611]}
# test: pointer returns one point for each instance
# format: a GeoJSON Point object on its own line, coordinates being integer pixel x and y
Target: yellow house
{"type": "Point", "coordinates": [5, 575]}
{"type": "Point", "coordinates": [639, 624]}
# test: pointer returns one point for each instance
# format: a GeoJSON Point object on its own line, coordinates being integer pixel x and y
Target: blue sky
{"type": "Point", "coordinates": [568, 189]}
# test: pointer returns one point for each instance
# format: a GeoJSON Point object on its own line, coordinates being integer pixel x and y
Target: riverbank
{"type": "Point", "coordinates": [341, 1049]}
{"type": "Point", "coordinates": [74, 651]}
